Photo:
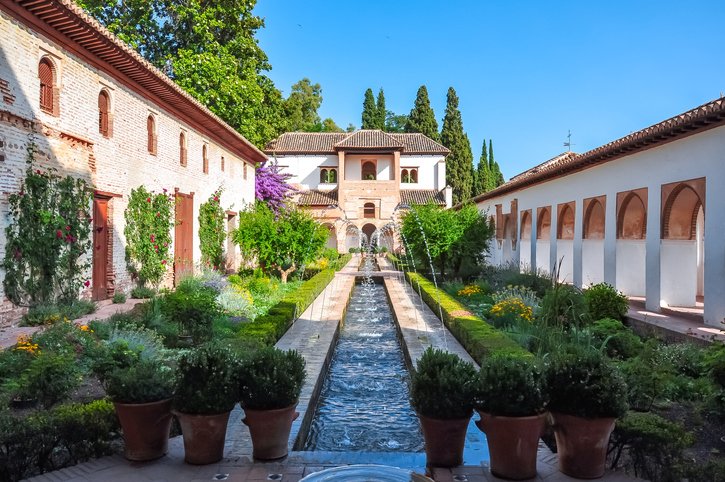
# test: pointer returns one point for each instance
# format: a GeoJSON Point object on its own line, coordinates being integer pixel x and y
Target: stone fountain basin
{"type": "Point", "coordinates": [366, 473]}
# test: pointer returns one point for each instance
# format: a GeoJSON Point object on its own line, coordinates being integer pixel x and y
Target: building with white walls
{"type": "Point", "coordinates": [645, 213]}
{"type": "Point", "coordinates": [97, 110]}
{"type": "Point", "coordinates": [356, 182]}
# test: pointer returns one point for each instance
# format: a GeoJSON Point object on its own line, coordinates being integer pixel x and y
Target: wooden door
{"type": "Point", "coordinates": [100, 248]}
{"type": "Point", "coordinates": [183, 236]}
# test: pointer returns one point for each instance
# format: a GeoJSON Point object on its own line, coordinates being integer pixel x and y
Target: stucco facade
{"type": "Point", "coordinates": [643, 213]}
{"type": "Point", "coordinates": [135, 138]}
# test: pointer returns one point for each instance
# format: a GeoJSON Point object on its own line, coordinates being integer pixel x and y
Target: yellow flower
{"type": "Point", "coordinates": [513, 306]}
{"type": "Point", "coordinates": [469, 290]}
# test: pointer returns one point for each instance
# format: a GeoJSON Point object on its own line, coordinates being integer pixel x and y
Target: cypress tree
{"type": "Point", "coordinates": [496, 174]}
{"type": "Point", "coordinates": [380, 111]}
{"type": "Point", "coordinates": [370, 111]}
{"type": "Point", "coordinates": [459, 164]}
{"type": "Point", "coordinates": [421, 118]}
{"type": "Point", "coordinates": [482, 173]}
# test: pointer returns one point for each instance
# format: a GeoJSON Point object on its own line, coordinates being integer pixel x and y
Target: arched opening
{"type": "Point", "coordinates": [525, 241]}
{"type": "Point", "coordinates": [592, 254]}
{"type": "Point", "coordinates": [405, 176]}
{"type": "Point", "coordinates": [565, 229]}
{"type": "Point", "coordinates": [323, 176]}
{"type": "Point", "coordinates": [565, 242]}
{"type": "Point", "coordinates": [414, 175]}
{"type": "Point", "coordinates": [48, 91]}
{"type": "Point", "coordinates": [543, 239]}
{"type": "Point", "coordinates": [369, 171]}
{"type": "Point", "coordinates": [526, 226]}
{"type": "Point", "coordinates": [679, 220]}
{"type": "Point", "coordinates": [369, 210]}
{"type": "Point", "coordinates": [368, 230]}
{"type": "Point", "coordinates": [631, 251]}
{"type": "Point", "coordinates": [594, 220]}
{"type": "Point", "coordinates": [632, 218]}
{"type": "Point", "coordinates": [332, 176]}
{"type": "Point", "coordinates": [104, 114]}
{"type": "Point", "coordinates": [331, 236]}
{"type": "Point", "coordinates": [151, 134]}
{"type": "Point", "coordinates": [543, 228]}
{"type": "Point", "coordinates": [182, 149]}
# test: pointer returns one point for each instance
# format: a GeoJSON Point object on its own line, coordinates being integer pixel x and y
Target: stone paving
{"type": "Point", "coordinates": [313, 335]}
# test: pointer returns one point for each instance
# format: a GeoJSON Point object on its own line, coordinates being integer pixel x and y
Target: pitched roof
{"type": "Point", "coordinates": [67, 24]}
{"type": "Point", "coordinates": [314, 197]}
{"type": "Point", "coordinates": [694, 121]}
{"type": "Point", "coordinates": [422, 196]}
{"type": "Point", "coordinates": [331, 142]}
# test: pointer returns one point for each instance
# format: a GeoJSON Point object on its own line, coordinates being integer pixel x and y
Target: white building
{"type": "Point", "coordinates": [643, 213]}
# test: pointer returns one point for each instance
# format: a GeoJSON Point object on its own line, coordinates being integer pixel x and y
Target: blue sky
{"type": "Point", "coordinates": [526, 72]}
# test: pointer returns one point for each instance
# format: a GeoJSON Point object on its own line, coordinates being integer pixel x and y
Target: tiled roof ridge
{"type": "Point", "coordinates": [703, 117]}
{"type": "Point", "coordinates": [367, 132]}
{"type": "Point", "coordinates": [317, 142]}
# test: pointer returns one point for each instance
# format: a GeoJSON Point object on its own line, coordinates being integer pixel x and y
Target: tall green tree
{"type": "Point", "coordinates": [210, 50]}
{"type": "Point", "coordinates": [459, 164]}
{"type": "Point", "coordinates": [370, 111]}
{"type": "Point", "coordinates": [422, 118]}
{"type": "Point", "coordinates": [493, 167]}
{"type": "Point", "coordinates": [380, 111]}
{"type": "Point", "coordinates": [395, 122]}
{"type": "Point", "coordinates": [301, 106]}
{"type": "Point", "coordinates": [482, 173]}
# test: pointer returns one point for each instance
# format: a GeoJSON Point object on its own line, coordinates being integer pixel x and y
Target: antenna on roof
{"type": "Point", "coordinates": [568, 143]}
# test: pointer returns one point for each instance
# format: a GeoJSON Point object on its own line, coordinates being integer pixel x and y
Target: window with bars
{"type": "Point", "coordinates": [104, 114]}
{"type": "Point", "coordinates": [48, 90]}
{"type": "Point", "coordinates": [151, 134]}
{"type": "Point", "coordinates": [182, 149]}
{"type": "Point", "coordinates": [205, 160]}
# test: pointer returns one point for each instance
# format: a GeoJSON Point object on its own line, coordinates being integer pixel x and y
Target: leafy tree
{"type": "Point", "coordinates": [350, 128]}
{"type": "Point", "coordinates": [280, 241]}
{"type": "Point", "coordinates": [459, 164]}
{"type": "Point", "coordinates": [301, 106]}
{"type": "Point", "coordinates": [456, 239]}
{"type": "Point", "coordinates": [380, 111]}
{"type": "Point", "coordinates": [270, 186]}
{"type": "Point", "coordinates": [421, 118]}
{"type": "Point", "coordinates": [395, 122]}
{"type": "Point", "coordinates": [369, 113]}
{"type": "Point", "coordinates": [211, 231]}
{"type": "Point", "coordinates": [328, 125]}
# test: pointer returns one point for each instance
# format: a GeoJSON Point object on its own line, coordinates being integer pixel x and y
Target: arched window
{"type": "Point", "coordinates": [369, 210]}
{"type": "Point", "coordinates": [222, 162]}
{"type": "Point", "coordinates": [404, 176]}
{"type": "Point", "coordinates": [182, 149]}
{"type": "Point", "coordinates": [323, 176]}
{"type": "Point", "coordinates": [205, 160]}
{"type": "Point", "coordinates": [594, 220]}
{"type": "Point", "coordinates": [48, 90]}
{"type": "Point", "coordinates": [369, 171]}
{"type": "Point", "coordinates": [566, 223]}
{"type": "Point", "coordinates": [414, 175]}
{"type": "Point", "coordinates": [104, 114]}
{"type": "Point", "coordinates": [332, 176]}
{"type": "Point", "coordinates": [632, 218]}
{"type": "Point", "coordinates": [151, 134]}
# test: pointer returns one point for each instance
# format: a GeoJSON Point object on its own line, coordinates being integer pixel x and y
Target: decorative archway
{"type": "Point", "coordinates": [565, 224]}
{"type": "Point", "coordinates": [543, 238]}
{"type": "Point", "coordinates": [631, 253]}
{"type": "Point", "coordinates": [331, 236]}
{"type": "Point", "coordinates": [543, 225]}
{"type": "Point", "coordinates": [369, 171]}
{"type": "Point", "coordinates": [526, 225]}
{"type": "Point", "coordinates": [632, 216]}
{"type": "Point", "coordinates": [368, 230]}
{"type": "Point", "coordinates": [592, 253]}
{"type": "Point", "coordinates": [593, 219]}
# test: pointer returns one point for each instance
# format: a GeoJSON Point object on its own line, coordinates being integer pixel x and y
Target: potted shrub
{"type": "Point", "coordinates": [511, 402]}
{"type": "Point", "coordinates": [587, 394]}
{"type": "Point", "coordinates": [271, 382]}
{"type": "Point", "coordinates": [206, 391]}
{"type": "Point", "coordinates": [140, 385]}
{"type": "Point", "coordinates": [442, 393]}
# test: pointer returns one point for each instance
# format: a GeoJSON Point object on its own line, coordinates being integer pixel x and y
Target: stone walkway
{"type": "Point", "coordinates": [313, 335]}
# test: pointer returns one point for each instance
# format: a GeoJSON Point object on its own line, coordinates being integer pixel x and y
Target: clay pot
{"type": "Point", "coordinates": [145, 428]}
{"type": "Point", "coordinates": [513, 443]}
{"type": "Point", "coordinates": [444, 440]}
{"type": "Point", "coordinates": [204, 437]}
{"type": "Point", "coordinates": [581, 444]}
{"type": "Point", "coordinates": [270, 431]}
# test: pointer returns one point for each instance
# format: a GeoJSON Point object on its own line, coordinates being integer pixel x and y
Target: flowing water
{"type": "Point", "coordinates": [364, 404]}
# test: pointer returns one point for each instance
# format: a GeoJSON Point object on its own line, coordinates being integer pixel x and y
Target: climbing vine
{"type": "Point", "coordinates": [48, 237]}
{"type": "Point", "coordinates": [211, 232]}
{"type": "Point", "coordinates": [148, 234]}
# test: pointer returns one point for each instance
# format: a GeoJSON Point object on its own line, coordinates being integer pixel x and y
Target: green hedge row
{"type": "Point", "coordinates": [269, 328]}
{"type": "Point", "coordinates": [49, 440]}
{"type": "Point", "coordinates": [480, 339]}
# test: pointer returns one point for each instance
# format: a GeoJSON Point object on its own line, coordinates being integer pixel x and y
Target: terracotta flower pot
{"type": "Point", "coordinates": [145, 428]}
{"type": "Point", "coordinates": [204, 437]}
{"type": "Point", "coordinates": [270, 431]}
{"type": "Point", "coordinates": [513, 443]}
{"type": "Point", "coordinates": [581, 444]}
{"type": "Point", "coordinates": [444, 440]}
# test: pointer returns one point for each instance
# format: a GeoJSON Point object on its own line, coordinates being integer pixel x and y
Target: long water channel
{"type": "Point", "coordinates": [364, 404]}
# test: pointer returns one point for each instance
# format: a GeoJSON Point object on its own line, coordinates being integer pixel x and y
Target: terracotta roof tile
{"type": "Point", "coordinates": [694, 121]}
{"type": "Point", "coordinates": [422, 196]}
{"type": "Point", "coordinates": [314, 197]}
{"type": "Point", "coordinates": [331, 142]}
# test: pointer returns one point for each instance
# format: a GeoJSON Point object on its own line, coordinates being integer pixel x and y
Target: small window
{"type": "Point", "coordinates": [328, 176]}
{"type": "Point", "coordinates": [409, 175]}
{"type": "Point", "coordinates": [369, 172]}
{"type": "Point", "coordinates": [369, 210]}
{"type": "Point", "coordinates": [48, 90]}
{"type": "Point", "coordinates": [222, 163]}
{"type": "Point", "coordinates": [104, 114]}
{"type": "Point", "coordinates": [151, 134]}
{"type": "Point", "coordinates": [205, 160]}
{"type": "Point", "coordinates": [182, 149]}
{"type": "Point", "coordinates": [245, 171]}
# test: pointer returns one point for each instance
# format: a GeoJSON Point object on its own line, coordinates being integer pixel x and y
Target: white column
{"type": "Point", "coordinates": [714, 250]}
{"type": "Point", "coordinates": [652, 248]}
{"type": "Point", "coordinates": [534, 226]}
{"type": "Point", "coordinates": [610, 239]}
{"type": "Point", "coordinates": [577, 244]}
{"type": "Point", "coordinates": [553, 262]}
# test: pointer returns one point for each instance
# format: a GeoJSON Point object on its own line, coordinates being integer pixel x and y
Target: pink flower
{"type": "Point", "coordinates": [216, 198]}
{"type": "Point", "coordinates": [153, 238]}
{"type": "Point", "coordinates": [87, 283]}
{"type": "Point", "coordinates": [165, 191]}
{"type": "Point", "coordinates": [38, 171]}
{"type": "Point", "coordinates": [163, 261]}
{"type": "Point", "coordinates": [67, 228]}
{"type": "Point", "coordinates": [158, 214]}
{"type": "Point", "coordinates": [59, 234]}
{"type": "Point", "coordinates": [148, 199]}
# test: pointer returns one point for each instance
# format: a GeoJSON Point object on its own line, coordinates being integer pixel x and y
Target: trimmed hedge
{"type": "Point", "coordinates": [269, 328]}
{"type": "Point", "coordinates": [480, 339]}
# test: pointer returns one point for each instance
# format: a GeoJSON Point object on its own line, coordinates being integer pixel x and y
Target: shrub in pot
{"type": "Point", "coordinates": [587, 394]}
{"type": "Point", "coordinates": [511, 401]}
{"type": "Point", "coordinates": [206, 391]}
{"type": "Point", "coordinates": [270, 385]}
{"type": "Point", "coordinates": [442, 392]}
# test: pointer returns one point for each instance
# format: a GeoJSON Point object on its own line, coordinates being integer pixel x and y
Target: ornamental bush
{"type": "Point", "coordinates": [604, 301]}
{"type": "Point", "coordinates": [211, 232]}
{"type": "Point", "coordinates": [148, 234]}
{"type": "Point", "coordinates": [48, 236]}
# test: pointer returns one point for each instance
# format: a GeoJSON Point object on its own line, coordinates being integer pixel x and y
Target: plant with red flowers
{"type": "Point", "coordinates": [211, 231]}
{"type": "Point", "coordinates": [48, 236]}
{"type": "Point", "coordinates": [148, 234]}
